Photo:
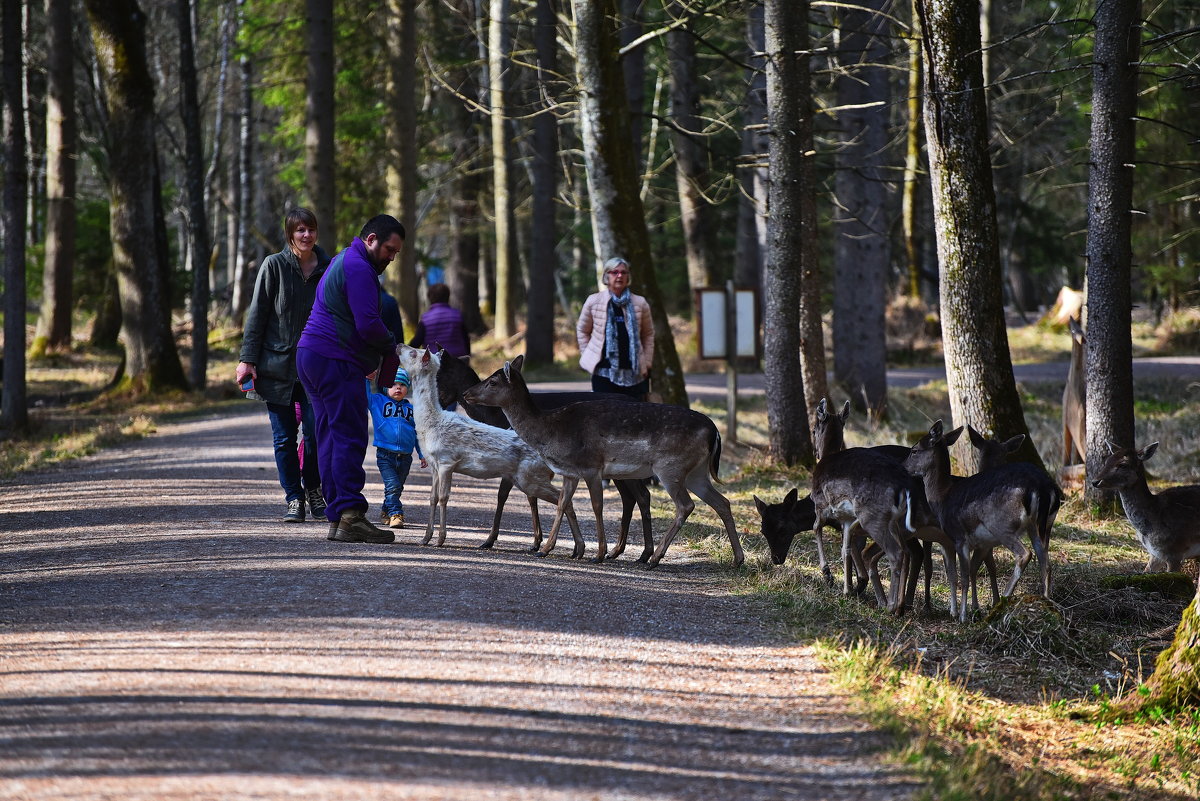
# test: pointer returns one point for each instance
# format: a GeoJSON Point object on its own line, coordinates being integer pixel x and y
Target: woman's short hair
{"type": "Point", "coordinates": [294, 219]}
{"type": "Point", "coordinates": [613, 263]}
{"type": "Point", "coordinates": [438, 293]}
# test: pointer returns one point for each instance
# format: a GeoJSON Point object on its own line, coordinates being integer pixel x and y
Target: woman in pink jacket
{"type": "Point", "coordinates": [616, 335]}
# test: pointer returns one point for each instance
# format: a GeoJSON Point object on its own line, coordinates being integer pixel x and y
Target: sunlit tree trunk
{"type": "Point", "coordinates": [319, 145]}
{"type": "Point", "coordinates": [618, 219]}
{"type": "Point", "coordinates": [790, 134]}
{"type": "Point", "coordinates": [912, 160]}
{"type": "Point", "coordinates": [543, 262]}
{"type": "Point", "coordinates": [402, 145]}
{"type": "Point", "coordinates": [13, 414]}
{"type": "Point", "coordinates": [978, 365]}
{"type": "Point", "coordinates": [118, 35]}
{"type": "Point", "coordinates": [54, 321]}
{"type": "Point", "coordinates": [498, 41]}
{"type": "Point", "coordinates": [1109, 350]}
{"type": "Point", "coordinates": [862, 248]}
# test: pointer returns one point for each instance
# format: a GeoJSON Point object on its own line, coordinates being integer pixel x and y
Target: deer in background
{"type": "Point", "coordinates": [602, 439]}
{"type": "Point", "coordinates": [1001, 506]}
{"type": "Point", "coordinates": [1074, 402]}
{"type": "Point", "coordinates": [456, 444]}
{"type": "Point", "coordinates": [454, 377]}
{"type": "Point", "coordinates": [1167, 524]}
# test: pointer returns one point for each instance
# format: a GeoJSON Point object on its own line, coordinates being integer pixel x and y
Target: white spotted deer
{"type": "Point", "coordinates": [600, 439]}
{"type": "Point", "coordinates": [1167, 523]}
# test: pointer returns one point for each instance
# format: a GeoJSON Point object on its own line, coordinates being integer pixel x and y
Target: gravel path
{"type": "Point", "coordinates": [162, 637]}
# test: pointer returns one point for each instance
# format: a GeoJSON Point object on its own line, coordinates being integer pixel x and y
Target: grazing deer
{"type": "Point", "coordinates": [1074, 402]}
{"type": "Point", "coordinates": [996, 507]}
{"type": "Point", "coordinates": [456, 444]}
{"type": "Point", "coordinates": [602, 439]}
{"type": "Point", "coordinates": [455, 377]}
{"type": "Point", "coordinates": [1167, 524]}
{"type": "Point", "coordinates": [782, 521]}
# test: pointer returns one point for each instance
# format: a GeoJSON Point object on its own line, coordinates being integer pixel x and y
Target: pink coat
{"type": "Point", "coordinates": [590, 330]}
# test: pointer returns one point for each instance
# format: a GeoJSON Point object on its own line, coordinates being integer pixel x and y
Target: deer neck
{"type": "Point", "coordinates": [424, 394]}
{"type": "Point", "coordinates": [1140, 504]}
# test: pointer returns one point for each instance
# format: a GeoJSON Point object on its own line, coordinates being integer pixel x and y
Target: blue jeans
{"type": "Point", "coordinates": [393, 468]}
{"type": "Point", "coordinates": [284, 431]}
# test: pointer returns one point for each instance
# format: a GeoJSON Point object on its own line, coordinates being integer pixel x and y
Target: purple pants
{"type": "Point", "coordinates": [335, 388]}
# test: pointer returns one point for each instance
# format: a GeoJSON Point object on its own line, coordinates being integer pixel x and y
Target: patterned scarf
{"type": "Point", "coordinates": [625, 377]}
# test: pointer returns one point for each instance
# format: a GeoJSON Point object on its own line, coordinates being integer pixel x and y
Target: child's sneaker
{"type": "Point", "coordinates": [316, 504]}
{"type": "Point", "coordinates": [397, 521]}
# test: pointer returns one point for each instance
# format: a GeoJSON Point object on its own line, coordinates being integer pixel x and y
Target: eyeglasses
{"type": "Point", "coordinates": [618, 272]}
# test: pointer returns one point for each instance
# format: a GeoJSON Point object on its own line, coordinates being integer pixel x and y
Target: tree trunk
{"type": "Point", "coordinates": [13, 413]}
{"type": "Point", "coordinates": [197, 218]}
{"type": "Point", "coordinates": [498, 41]}
{"type": "Point", "coordinates": [543, 263]}
{"type": "Point", "coordinates": [862, 246]}
{"type": "Point", "coordinates": [402, 143]}
{"type": "Point", "coordinates": [1175, 684]}
{"type": "Point", "coordinates": [752, 202]}
{"type": "Point", "coordinates": [633, 70]}
{"type": "Point", "coordinates": [118, 35]}
{"type": "Point", "coordinates": [978, 365]}
{"type": "Point", "coordinates": [242, 278]}
{"type": "Point", "coordinates": [691, 171]}
{"type": "Point", "coordinates": [912, 160]}
{"type": "Point", "coordinates": [319, 144]}
{"type": "Point", "coordinates": [618, 220]}
{"type": "Point", "coordinates": [54, 322]}
{"type": "Point", "coordinates": [790, 136]}
{"type": "Point", "coordinates": [1109, 355]}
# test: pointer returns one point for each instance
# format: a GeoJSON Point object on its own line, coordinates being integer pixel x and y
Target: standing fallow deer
{"type": "Point", "coordinates": [1167, 523]}
{"type": "Point", "coordinates": [600, 439]}
{"type": "Point", "coordinates": [1001, 506]}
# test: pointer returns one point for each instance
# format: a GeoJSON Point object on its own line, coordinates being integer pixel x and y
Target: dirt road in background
{"type": "Point", "coordinates": [163, 636]}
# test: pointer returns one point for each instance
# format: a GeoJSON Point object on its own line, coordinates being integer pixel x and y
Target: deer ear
{"type": "Point", "coordinates": [759, 505]}
{"type": "Point", "coordinates": [977, 439]}
{"type": "Point", "coordinates": [790, 498]}
{"type": "Point", "coordinates": [424, 357]}
{"type": "Point", "coordinates": [1145, 453]}
{"type": "Point", "coordinates": [953, 436]}
{"type": "Point", "coordinates": [518, 362]}
{"type": "Point", "coordinates": [505, 369]}
{"type": "Point", "coordinates": [935, 430]}
{"type": "Point", "coordinates": [1012, 443]}
{"type": "Point", "coordinates": [822, 414]}
{"type": "Point", "coordinates": [845, 415]}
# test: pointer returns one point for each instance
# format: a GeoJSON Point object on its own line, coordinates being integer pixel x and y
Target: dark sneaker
{"type": "Point", "coordinates": [316, 504]}
{"type": "Point", "coordinates": [295, 512]}
{"type": "Point", "coordinates": [354, 527]}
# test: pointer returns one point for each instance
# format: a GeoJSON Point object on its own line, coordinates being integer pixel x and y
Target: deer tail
{"type": "Point", "coordinates": [714, 458]}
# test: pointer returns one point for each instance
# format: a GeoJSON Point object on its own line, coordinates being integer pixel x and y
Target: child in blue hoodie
{"type": "Point", "coordinates": [395, 439]}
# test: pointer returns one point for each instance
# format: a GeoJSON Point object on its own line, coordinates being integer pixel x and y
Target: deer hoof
{"type": "Point", "coordinates": [485, 546]}
{"type": "Point", "coordinates": [542, 554]}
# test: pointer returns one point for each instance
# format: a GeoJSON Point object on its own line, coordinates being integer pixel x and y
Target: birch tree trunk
{"type": "Point", "coordinates": [978, 365]}
{"type": "Point", "coordinates": [543, 263]}
{"type": "Point", "coordinates": [118, 35]}
{"type": "Point", "coordinates": [498, 40]}
{"type": "Point", "coordinates": [13, 414]}
{"type": "Point", "coordinates": [790, 136]}
{"type": "Point", "coordinates": [54, 321]}
{"type": "Point", "coordinates": [1109, 351]}
{"type": "Point", "coordinates": [618, 219]}
{"type": "Point", "coordinates": [752, 202]}
{"type": "Point", "coordinates": [862, 248]}
{"type": "Point", "coordinates": [402, 146]}
{"type": "Point", "coordinates": [319, 145]}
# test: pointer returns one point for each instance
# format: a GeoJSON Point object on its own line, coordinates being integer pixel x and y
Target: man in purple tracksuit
{"type": "Point", "coordinates": [344, 340]}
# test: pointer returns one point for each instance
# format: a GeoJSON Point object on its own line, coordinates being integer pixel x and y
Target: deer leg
{"type": "Point", "coordinates": [501, 499]}
{"type": "Point", "coordinates": [683, 508]}
{"type": "Point", "coordinates": [822, 562]}
{"type": "Point", "coordinates": [444, 500]}
{"type": "Point", "coordinates": [1023, 554]}
{"type": "Point", "coordinates": [537, 523]}
{"type": "Point", "coordinates": [641, 496]}
{"type": "Point", "coordinates": [596, 490]}
{"type": "Point", "coordinates": [569, 483]}
{"type": "Point", "coordinates": [576, 534]}
{"type": "Point", "coordinates": [1043, 556]}
{"type": "Point", "coordinates": [720, 504]}
{"type": "Point", "coordinates": [433, 501]}
{"type": "Point", "coordinates": [626, 517]}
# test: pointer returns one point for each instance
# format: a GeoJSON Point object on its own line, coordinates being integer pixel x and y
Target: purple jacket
{"type": "Point", "coordinates": [345, 322]}
{"type": "Point", "coordinates": [442, 325]}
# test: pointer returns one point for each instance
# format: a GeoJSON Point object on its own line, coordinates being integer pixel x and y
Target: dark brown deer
{"type": "Point", "coordinates": [602, 439]}
{"type": "Point", "coordinates": [455, 377]}
{"type": "Point", "coordinates": [1074, 402]}
{"type": "Point", "coordinates": [1001, 506]}
{"type": "Point", "coordinates": [1167, 524]}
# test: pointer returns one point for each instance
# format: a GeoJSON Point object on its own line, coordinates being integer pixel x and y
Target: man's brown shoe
{"type": "Point", "coordinates": [333, 527]}
{"type": "Point", "coordinates": [354, 527]}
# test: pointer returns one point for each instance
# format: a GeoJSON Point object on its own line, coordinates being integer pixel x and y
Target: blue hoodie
{"type": "Point", "coordinates": [393, 423]}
